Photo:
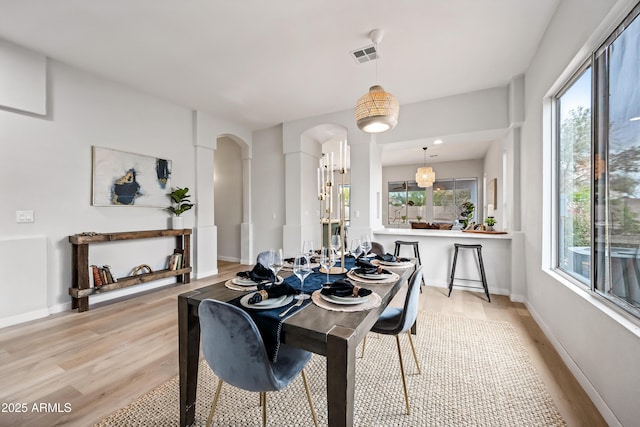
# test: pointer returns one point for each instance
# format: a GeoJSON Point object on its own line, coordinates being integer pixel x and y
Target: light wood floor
{"type": "Point", "coordinates": [91, 364]}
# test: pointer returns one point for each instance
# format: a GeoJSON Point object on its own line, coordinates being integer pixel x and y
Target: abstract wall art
{"type": "Point", "coordinates": [128, 179]}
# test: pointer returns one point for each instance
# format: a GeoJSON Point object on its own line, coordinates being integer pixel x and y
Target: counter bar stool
{"type": "Point", "coordinates": [416, 253]}
{"type": "Point", "coordinates": [478, 249]}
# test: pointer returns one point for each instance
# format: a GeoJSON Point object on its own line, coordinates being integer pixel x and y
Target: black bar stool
{"type": "Point", "coordinates": [478, 249]}
{"type": "Point", "coordinates": [416, 252]}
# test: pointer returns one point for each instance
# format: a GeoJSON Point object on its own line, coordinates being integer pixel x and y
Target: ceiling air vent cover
{"type": "Point", "coordinates": [365, 54]}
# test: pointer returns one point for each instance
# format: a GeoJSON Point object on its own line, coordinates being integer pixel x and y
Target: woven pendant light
{"type": "Point", "coordinates": [425, 176]}
{"type": "Point", "coordinates": [377, 110]}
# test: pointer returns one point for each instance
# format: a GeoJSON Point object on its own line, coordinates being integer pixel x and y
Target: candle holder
{"type": "Point", "coordinates": [325, 196]}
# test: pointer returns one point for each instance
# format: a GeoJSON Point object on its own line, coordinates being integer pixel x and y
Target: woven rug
{"type": "Point", "coordinates": [474, 373]}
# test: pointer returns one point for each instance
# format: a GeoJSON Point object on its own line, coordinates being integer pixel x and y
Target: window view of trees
{"type": "Point", "coordinates": [574, 177]}
{"type": "Point", "coordinates": [598, 170]}
{"type": "Point", "coordinates": [406, 202]}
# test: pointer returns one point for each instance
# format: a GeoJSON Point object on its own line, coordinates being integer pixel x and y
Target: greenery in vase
{"type": "Point", "coordinates": [490, 221]}
{"type": "Point", "coordinates": [180, 202]}
{"type": "Point", "coordinates": [404, 218]}
{"type": "Point", "coordinates": [419, 218]}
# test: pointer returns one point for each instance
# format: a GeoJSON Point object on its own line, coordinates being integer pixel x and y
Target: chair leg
{"type": "Point", "coordinates": [306, 389]}
{"type": "Point", "coordinates": [264, 409]}
{"type": "Point", "coordinates": [364, 342]}
{"type": "Point", "coordinates": [415, 356]}
{"type": "Point", "coordinates": [404, 382]}
{"type": "Point", "coordinates": [214, 404]}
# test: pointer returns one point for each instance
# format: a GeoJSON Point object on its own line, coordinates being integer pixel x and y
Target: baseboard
{"type": "Point", "coordinates": [23, 317]}
{"type": "Point", "coordinates": [202, 275]}
{"type": "Point", "coordinates": [591, 391]}
{"type": "Point", "coordinates": [228, 258]}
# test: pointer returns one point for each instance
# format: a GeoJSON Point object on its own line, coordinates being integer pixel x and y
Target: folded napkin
{"type": "Point", "coordinates": [363, 266]}
{"type": "Point", "coordinates": [258, 274]}
{"type": "Point", "coordinates": [291, 260]}
{"type": "Point", "coordinates": [344, 288]}
{"type": "Point", "coordinates": [276, 291]}
{"type": "Point", "coordinates": [391, 258]}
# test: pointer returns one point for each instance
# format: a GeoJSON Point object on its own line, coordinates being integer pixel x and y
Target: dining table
{"type": "Point", "coordinates": [332, 334]}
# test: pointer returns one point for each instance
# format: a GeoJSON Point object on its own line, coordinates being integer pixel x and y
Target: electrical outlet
{"type": "Point", "coordinates": [24, 216]}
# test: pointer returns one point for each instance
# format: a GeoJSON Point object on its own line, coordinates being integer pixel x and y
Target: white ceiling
{"type": "Point", "coordinates": [260, 63]}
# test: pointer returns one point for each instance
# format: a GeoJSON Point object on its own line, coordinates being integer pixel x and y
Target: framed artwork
{"type": "Point", "coordinates": [492, 187]}
{"type": "Point", "coordinates": [128, 179]}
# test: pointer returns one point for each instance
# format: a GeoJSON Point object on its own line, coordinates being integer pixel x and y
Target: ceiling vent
{"type": "Point", "coordinates": [365, 54]}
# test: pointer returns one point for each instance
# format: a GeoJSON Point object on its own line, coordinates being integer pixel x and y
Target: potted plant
{"type": "Point", "coordinates": [404, 219]}
{"type": "Point", "coordinates": [466, 214]}
{"type": "Point", "coordinates": [490, 221]}
{"type": "Point", "coordinates": [419, 218]}
{"type": "Point", "coordinates": [180, 203]}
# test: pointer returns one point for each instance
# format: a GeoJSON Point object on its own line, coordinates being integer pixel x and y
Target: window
{"type": "Point", "coordinates": [408, 202]}
{"type": "Point", "coordinates": [574, 177]}
{"type": "Point", "coordinates": [449, 195]}
{"type": "Point", "coordinates": [598, 170]}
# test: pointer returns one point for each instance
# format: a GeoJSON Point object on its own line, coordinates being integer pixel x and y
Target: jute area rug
{"type": "Point", "coordinates": [474, 373]}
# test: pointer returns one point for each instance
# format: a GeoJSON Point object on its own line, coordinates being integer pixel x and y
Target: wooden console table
{"type": "Point", "coordinates": [80, 286]}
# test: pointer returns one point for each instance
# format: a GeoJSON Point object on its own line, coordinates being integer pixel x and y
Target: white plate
{"type": "Point", "coordinates": [394, 264]}
{"type": "Point", "coordinates": [344, 300]}
{"type": "Point", "coordinates": [372, 276]}
{"type": "Point", "coordinates": [242, 281]}
{"type": "Point", "coordinates": [266, 304]}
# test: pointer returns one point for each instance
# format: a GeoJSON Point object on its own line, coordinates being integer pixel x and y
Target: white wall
{"type": "Point", "coordinates": [228, 190]}
{"type": "Point", "coordinates": [46, 167]}
{"type": "Point", "coordinates": [600, 346]}
{"type": "Point", "coordinates": [267, 182]}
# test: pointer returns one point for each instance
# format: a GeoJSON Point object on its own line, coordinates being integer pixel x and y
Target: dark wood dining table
{"type": "Point", "coordinates": [333, 334]}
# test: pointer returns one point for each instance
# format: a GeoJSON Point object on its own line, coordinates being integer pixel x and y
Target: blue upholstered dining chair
{"type": "Point", "coordinates": [235, 352]}
{"type": "Point", "coordinates": [396, 320]}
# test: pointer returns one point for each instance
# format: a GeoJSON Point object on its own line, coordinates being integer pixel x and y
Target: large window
{"type": "Point", "coordinates": [408, 202]}
{"type": "Point", "coordinates": [598, 170]}
{"type": "Point", "coordinates": [450, 194]}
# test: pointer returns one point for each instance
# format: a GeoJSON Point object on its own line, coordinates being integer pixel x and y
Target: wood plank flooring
{"type": "Point", "coordinates": [87, 365]}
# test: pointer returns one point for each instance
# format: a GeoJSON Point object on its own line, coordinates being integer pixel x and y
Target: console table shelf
{"type": "Point", "coordinates": [80, 288]}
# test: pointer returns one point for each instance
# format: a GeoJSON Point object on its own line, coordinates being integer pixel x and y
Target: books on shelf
{"type": "Point", "coordinates": [175, 261]}
{"type": "Point", "coordinates": [101, 275]}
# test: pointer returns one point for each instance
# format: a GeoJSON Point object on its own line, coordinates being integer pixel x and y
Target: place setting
{"type": "Point", "coordinates": [366, 272]}
{"type": "Point", "coordinates": [260, 274]}
{"type": "Point", "coordinates": [342, 295]}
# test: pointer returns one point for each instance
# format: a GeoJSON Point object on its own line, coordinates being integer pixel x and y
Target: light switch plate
{"type": "Point", "coordinates": [24, 216]}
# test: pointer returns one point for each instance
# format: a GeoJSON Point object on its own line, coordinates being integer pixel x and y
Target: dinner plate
{"type": "Point", "coordinates": [372, 276]}
{"type": "Point", "coordinates": [243, 281]}
{"type": "Point", "coordinates": [394, 264]}
{"type": "Point", "coordinates": [344, 300]}
{"type": "Point", "coordinates": [266, 304]}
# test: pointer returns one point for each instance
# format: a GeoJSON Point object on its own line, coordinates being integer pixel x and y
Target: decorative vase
{"type": "Point", "coordinates": [177, 223]}
{"type": "Point", "coordinates": [490, 228]}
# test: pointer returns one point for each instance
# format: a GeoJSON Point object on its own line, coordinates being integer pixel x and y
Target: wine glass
{"type": "Point", "coordinates": [366, 243]}
{"type": "Point", "coordinates": [335, 243]}
{"type": "Point", "coordinates": [307, 248]}
{"type": "Point", "coordinates": [276, 261]}
{"type": "Point", "coordinates": [356, 248]}
{"type": "Point", "coordinates": [301, 268]}
{"type": "Point", "coordinates": [327, 260]}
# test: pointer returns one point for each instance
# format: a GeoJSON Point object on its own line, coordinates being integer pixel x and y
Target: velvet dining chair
{"type": "Point", "coordinates": [235, 352]}
{"type": "Point", "coordinates": [396, 320]}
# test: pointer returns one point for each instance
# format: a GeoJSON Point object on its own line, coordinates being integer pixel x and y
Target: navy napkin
{"type": "Point", "coordinates": [365, 267]}
{"type": "Point", "coordinates": [344, 288]}
{"type": "Point", "coordinates": [258, 274]}
{"type": "Point", "coordinates": [271, 292]}
{"type": "Point", "coordinates": [391, 258]}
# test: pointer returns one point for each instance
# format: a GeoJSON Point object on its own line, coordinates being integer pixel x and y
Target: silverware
{"type": "Point", "coordinates": [298, 304]}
